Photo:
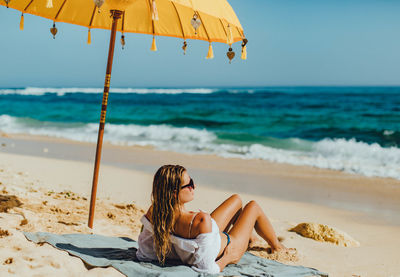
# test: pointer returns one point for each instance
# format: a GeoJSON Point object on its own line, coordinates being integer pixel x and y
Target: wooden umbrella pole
{"type": "Point", "coordinates": [115, 15]}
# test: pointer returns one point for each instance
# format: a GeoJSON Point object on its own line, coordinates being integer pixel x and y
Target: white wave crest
{"type": "Point", "coordinates": [337, 154]}
{"type": "Point", "coordinates": [388, 132]}
{"type": "Point", "coordinates": [62, 91]}
{"type": "Point", "coordinates": [161, 136]}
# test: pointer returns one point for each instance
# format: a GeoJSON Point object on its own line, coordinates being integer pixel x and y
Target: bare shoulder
{"type": "Point", "coordinates": [202, 223]}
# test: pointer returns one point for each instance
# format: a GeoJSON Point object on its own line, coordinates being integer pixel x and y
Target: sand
{"type": "Point", "coordinates": [324, 233]}
{"type": "Point", "coordinates": [49, 190]}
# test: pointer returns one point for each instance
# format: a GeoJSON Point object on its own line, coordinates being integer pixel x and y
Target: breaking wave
{"type": "Point", "coordinates": [346, 155]}
{"type": "Point", "coordinates": [62, 91]}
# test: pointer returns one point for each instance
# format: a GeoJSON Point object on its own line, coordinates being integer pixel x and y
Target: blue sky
{"type": "Point", "coordinates": [291, 42]}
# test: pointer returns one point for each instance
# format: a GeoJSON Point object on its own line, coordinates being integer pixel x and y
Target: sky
{"type": "Point", "coordinates": [291, 43]}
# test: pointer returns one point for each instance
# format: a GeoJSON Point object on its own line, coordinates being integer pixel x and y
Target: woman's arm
{"type": "Point", "coordinates": [201, 224]}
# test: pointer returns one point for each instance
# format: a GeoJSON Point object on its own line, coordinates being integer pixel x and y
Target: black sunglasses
{"type": "Point", "coordinates": [190, 185]}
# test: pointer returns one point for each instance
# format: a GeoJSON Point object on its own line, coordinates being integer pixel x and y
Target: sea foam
{"type": "Point", "coordinates": [62, 91]}
{"type": "Point", "coordinates": [338, 154]}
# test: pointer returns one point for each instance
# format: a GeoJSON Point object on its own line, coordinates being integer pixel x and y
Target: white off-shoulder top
{"type": "Point", "coordinates": [200, 252]}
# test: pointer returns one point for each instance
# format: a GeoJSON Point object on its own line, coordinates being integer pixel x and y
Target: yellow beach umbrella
{"type": "Point", "coordinates": [209, 20]}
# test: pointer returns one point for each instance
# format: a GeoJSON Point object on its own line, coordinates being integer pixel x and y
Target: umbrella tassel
{"type": "Point", "coordinates": [98, 4]}
{"type": "Point", "coordinates": [244, 53]}
{"type": "Point", "coordinates": [229, 38]}
{"type": "Point", "coordinates": [230, 54]}
{"type": "Point", "coordinates": [210, 54]}
{"type": "Point", "coordinates": [89, 38]}
{"type": "Point", "coordinates": [21, 23]}
{"type": "Point", "coordinates": [49, 4]}
{"type": "Point", "coordinates": [153, 45]}
{"type": "Point", "coordinates": [184, 47]}
{"type": "Point", "coordinates": [123, 41]}
{"type": "Point", "coordinates": [244, 49]}
{"type": "Point", "coordinates": [53, 30]}
{"type": "Point", "coordinates": [154, 14]}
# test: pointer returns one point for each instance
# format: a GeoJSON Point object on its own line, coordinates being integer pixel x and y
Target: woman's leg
{"type": "Point", "coordinates": [251, 217]}
{"type": "Point", "coordinates": [228, 212]}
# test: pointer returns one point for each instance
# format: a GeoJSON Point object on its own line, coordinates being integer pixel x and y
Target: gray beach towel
{"type": "Point", "coordinates": [120, 253]}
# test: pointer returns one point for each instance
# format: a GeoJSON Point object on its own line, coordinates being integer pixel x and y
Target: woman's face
{"type": "Point", "coordinates": [186, 194]}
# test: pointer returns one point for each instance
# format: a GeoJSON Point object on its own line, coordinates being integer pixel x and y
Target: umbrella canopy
{"type": "Point", "coordinates": [209, 20]}
{"type": "Point", "coordinates": [218, 21]}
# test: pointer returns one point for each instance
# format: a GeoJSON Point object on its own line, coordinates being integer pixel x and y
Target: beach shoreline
{"type": "Point", "coordinates": [365, 208]}
{"type": "Point", "coordinates": [340, 190]}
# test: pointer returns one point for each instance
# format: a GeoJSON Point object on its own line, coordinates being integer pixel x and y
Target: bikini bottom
{"type": "Point", "coordinates": [228, 237]}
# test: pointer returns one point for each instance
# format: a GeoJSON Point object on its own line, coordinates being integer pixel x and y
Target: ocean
{"type": "Point", "coordinates": [351, 129]}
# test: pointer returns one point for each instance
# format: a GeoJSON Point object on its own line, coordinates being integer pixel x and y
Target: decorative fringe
{"type": "Point", "coordinates": [153, 45]}
{"type": "Point", "coordinates": [210, 54]}
{"type": "Point", "coordinates": [244, 53]}
{"type": "Point", "coordinates": [230, 54]}
{"type": "Point", "coordinates": [54, 30]}
{"type": "Point", "coordinates": [21, 23]}
{"type": "Point", "coordinates": [196, 22]}
{"type": "Point", "coordinates": [184, 47]}
{"type": "Point", "coordinates": [229, 37]}
{"type": "Point", "coordinates": [49, 4]}
{"type": "Point", "coordinates": [98, 4]}
{"type": "Point", "coordinates": [123, 41]}
{"type": "Point", "coordinates": [244, 49]}
{"type": "Point", "coordinates": [154, 14]}
{"type": "Point", "coordinates": [89, 37]}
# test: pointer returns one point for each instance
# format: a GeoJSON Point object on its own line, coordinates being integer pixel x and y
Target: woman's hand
{"type": "Point", "coordinates": [222, 262]}
{"type": "Point", "coordinates": [233, 253]}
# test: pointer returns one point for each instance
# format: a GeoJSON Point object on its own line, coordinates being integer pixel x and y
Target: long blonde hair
{"type": "Point", "coordinates": [166, 186]}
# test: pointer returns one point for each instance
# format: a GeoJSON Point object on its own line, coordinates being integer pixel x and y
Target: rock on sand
{"type": "Point", "coordinates": [324, 233]}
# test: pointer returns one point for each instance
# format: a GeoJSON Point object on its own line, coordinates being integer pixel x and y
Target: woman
{"type": "Point", "coordinates": [208, 242]}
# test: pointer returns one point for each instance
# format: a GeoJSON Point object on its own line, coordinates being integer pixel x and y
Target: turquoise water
{"type": "Point", "coordinates": [355, 129]}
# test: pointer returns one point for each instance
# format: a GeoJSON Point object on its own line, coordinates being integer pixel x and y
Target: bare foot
{"type": "Point", "coordinates": [254, 241]}
{"type": "Point", "coordinates": [279, 247]}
